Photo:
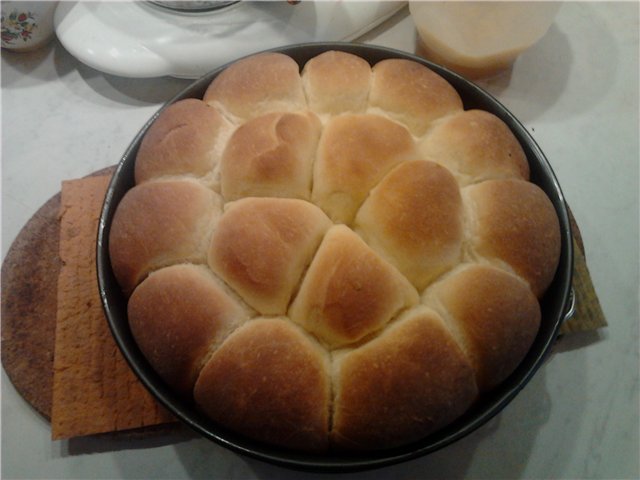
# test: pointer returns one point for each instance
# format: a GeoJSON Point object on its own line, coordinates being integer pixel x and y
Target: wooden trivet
{"type": "Point", "coordinates": [29, 304]}
{"type": "Point", "coordinates": [30, 274]}
{"type": "Point", "coordinates": [94, 389]}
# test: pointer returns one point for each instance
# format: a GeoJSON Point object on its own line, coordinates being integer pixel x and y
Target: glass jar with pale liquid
{"type": "Point", "coordinates": [476, 38]}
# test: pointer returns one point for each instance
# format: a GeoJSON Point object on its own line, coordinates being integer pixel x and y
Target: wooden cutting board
{"type": "Point", "coordinates": [29, 304]}
{"type": "Point", "coordinates": [29, 291]}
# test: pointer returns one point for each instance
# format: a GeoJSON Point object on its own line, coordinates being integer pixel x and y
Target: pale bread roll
{"type": "Point", "coordinates": [349, 291]}
{"type": "Point", "coordinates": [476, 146]}
{"type": "Point", "coordinates": [514, 222]}
{"type": "Point", "coordinates": [178, 315]}
{"type": "Point", "coordinates": [253, 86]}
{"type": "Point", "coordinates": [159, 224]}
{"type": "Point", "coordinates": [337, 82]}
{"type": "Point", "coordinates": [495, 315]}
{"type": "Point", "coordinates": [269, 381]}
{"type": "Point", "coordinates": [414, 218]}
{"type": "Point", "coordinates": [354, 154]}
{"type": "Point", "coordinates": [261, 246]}
{"type": "Point", "coordinates": [187, 138]}
{"type": "Point", "coordinates": [412, 94]}
{"type": "Point", "coordinates": [402, 385]}
{"type": "Point", "coordinates": [271, 156]}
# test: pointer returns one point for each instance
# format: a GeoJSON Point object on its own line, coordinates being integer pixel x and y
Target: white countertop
{"type": "Point", "coordinates": [577, 93]}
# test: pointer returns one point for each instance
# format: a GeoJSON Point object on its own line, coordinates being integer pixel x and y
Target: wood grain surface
{"type": "Point", "coordinates": [94, 389]}
{"type": "Point", "coordinates": [29, 304]}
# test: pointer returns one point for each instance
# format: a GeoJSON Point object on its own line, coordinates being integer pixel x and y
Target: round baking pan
{"type": "Point", "coordinates": [554, 304]}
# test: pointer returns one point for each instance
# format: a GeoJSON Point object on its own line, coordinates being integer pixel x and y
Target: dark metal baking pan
{"type": "Point", "coordinates": [554, 304]}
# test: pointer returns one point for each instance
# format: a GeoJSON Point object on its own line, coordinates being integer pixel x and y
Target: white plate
{"type": "Point", "coordinates": [137, 39]}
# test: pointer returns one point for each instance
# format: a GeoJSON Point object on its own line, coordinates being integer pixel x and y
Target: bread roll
{"type": "Point", "coordinates": [496, 318]}
{"type": "Point", "coordinates": [414, 219]}
{"type": "Point", "coordinates": [476, 146]}
{"type": "Point", "coordinates": [261, 246]}
{"type": "Point", "coordinates": [257, 85]}
{"type": "Point", "coordinates": [271, 156]}
{"type": "Point", "coordinates": [333, 260]}
{"type": "Point", "coordinates": [178, 315]}
{"type": "Point", "coordinates": [186, 139]}
{"type": "Point", "coordinates": [514, 222]}
{"type": "Point", "coordinates": [337, 82]}
{"type": "Point", "coordinates": [158, 224]}
{"type": "Point", "coordinates": [354, 154]}
{"type": "Point", "coordinates": [412, 94]}
{"type": "Point", "coordinates": [402, 385]}
{"type": "Point", "coordinates": [269, 381]}
{"type": "Point", "coordinates": [349, 291]}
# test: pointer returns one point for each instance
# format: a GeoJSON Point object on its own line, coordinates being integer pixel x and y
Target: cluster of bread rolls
{"type": "Point", "coordinates": [338, 256]}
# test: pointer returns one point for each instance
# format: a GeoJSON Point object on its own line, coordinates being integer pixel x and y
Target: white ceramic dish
{"type": "Point", "coordinates": [27, 26]}
{"type": "Point", "coordinates": [140, 40]}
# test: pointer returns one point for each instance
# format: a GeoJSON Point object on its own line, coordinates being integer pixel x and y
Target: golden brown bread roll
{"type": "Point", "coordinates": [514, 222]}
{"type": "Point", "coordinates": [356, 263]}
{"type": "Point", "coordinates": [257, 85]}
{"type": "Point", "coordinates": [412, 94]}
{"type": "Point", "coordinates": [271, 156]}
{"type": "Point", "coordinates": [337, 82]}
{"type": "Point", "coordinates": [178, 315]}
{"type": "Point", "coordinates": [476, 146]}
{"type": "Point", "coordinates": [261, 246]}
{"type": "Point", "coordinates": [186, 138]}
{"type": "Point", "coordinates": [496, 319]}
{"type": "Point", "coordinates": [269, 381]}
{"type": "Point", "coordinates": [349, 291]}
{"type": "Point", "coordinates": [402, 385]}
{"type": "Point", "coordinates": [159, 224]}
{"type": "Point", "coordinates": [413, 217]}
{"type": "Point", "coordinates": [354, 153]}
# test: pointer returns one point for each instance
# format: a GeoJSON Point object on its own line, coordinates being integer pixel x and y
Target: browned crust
{"type": "Point", "coordinates": [269, 381]}
{"type": "Point", "coordinates": [476, 145]}
{"type": "Point", "coordinates": [349, 291]}
{"type": "Point", "coordinates": [261, 246]}
{"type": "Point", "coordinates": [337, 82]}
{"type": "Point", "coordinates": [184, 139]}
{"type": "Point", "coordinates": [271, 156]}
{"type": "Point", "coordinates": [401, 386]}
{"type": "Point", "coordinates": [256, 85]}
{"type": "Point", "coordinates": [412, 94]}
{"type": "Point", "coordinates": [414, 219]}
{"type": "Point", "coordinates": [176, 316]}
{"type": "Point", "coordinates": [158, 224]}
{"type": "Point", "coordinates": [515, 222]}
{"type": "Point", "coordinates": [496, 316]}
{"type": "Point", "coordinates": [354, 154]}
